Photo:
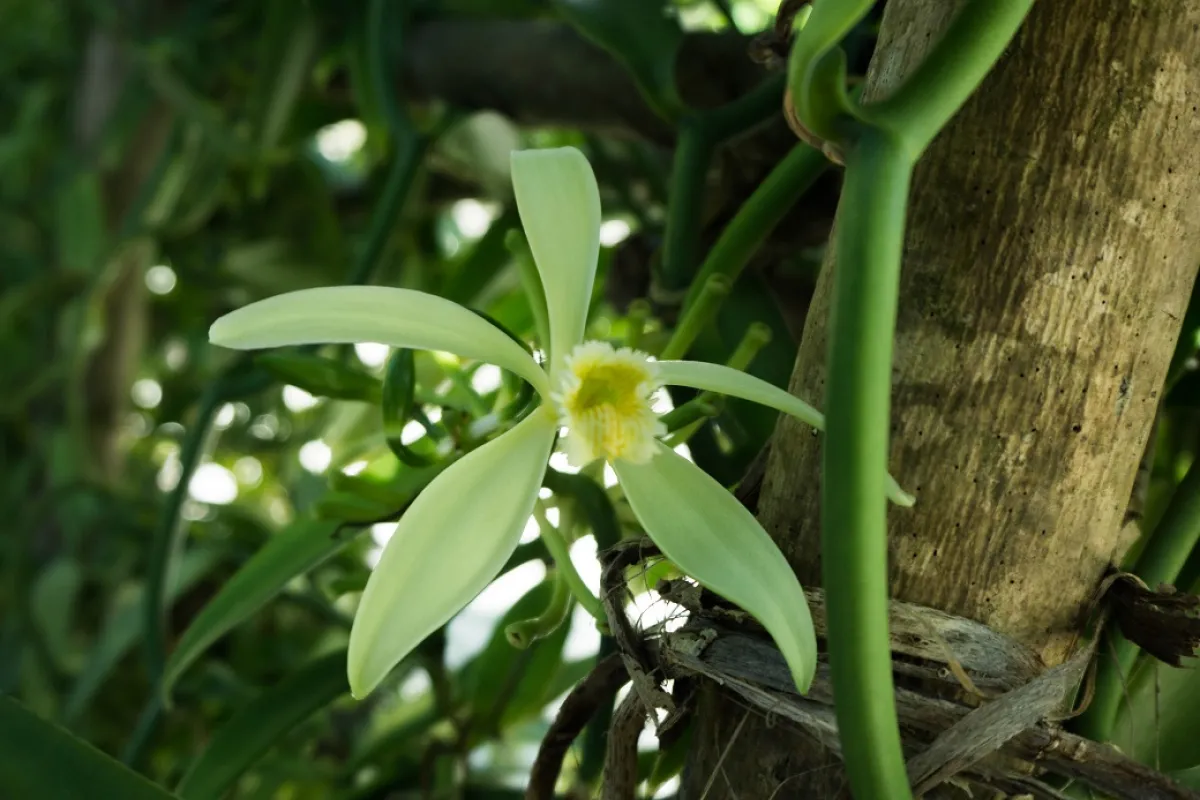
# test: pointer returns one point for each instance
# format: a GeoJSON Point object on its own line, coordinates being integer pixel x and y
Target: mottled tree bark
{"type": "Point", "coordinates": [1054, 235]}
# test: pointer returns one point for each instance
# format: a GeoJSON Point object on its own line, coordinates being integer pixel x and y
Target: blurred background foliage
{"type": "Point", "coordinates": [186, 529]}
{"type": "Point", "coordinates": [163, 163]}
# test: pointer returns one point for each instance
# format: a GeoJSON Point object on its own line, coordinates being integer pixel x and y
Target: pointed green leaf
{"type": "Point", "coordinates": [123, 627]}
{"type": "Point", "coordinates": [1156, 724]}
{"type": "Point", "coordinates": [713, 538]}
{"type": "Point", "coordinates": [395, 317]}
{"type": "Point", "coordinates": [640, 35]}
{"type": "Point", "coordinates": [321, 377]}
{"type": "Point", "coordinates": [242, 740]}
{"type": "Point", "coordinates": [38, 759]}
{"type": "Point", "coordinates": [293, 551]}
{"type": "Point", "coordinates": [398, 402]}
{"type": "Point", "coordinates": [52, 608]}
{"type": "Point", "coordinates": [452, 541]}
{"type": "Point", "coordinates": [287, 50]}
{"type": "Point", "coordinates": [560, 211]}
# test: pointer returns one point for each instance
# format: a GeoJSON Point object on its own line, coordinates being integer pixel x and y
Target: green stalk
{"type": "Point", "coordinates": [699, 135]}
{"type": "Point", "coordinates": [410, 147]}
{"type": "Point", "coordinates": [700, 407]}
{"type": "Point", "coordinates": [524, 633]}
{"type": "Point", "coordinates": [755, 107]}
{"type": "Point", "coordinates": [560, 551]}
{"type": "Point", "coordinates": [1170, 544]}
{"type": "Point", "coordinates": [638, 316]}
{"type": "Point", "coordinates": [168, 536]}
{"type": "Point", "coordinates": [685, 205]}
{"type": "Point", "coordinates": [882, 142]}
{"type": "Point", "coordinates": [854, 519]}
{"type": "Point", "coordinates": [756, 337]}
{"type": "Point", "coordinates": [708, 404]}
{"type": "Point", "coordinates": [759, 215]}
{"type": "Point", "coordinates": [712, 293]}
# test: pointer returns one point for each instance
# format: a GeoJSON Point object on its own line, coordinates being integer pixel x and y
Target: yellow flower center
{"type": "Point", "coordinates": [604, 401]}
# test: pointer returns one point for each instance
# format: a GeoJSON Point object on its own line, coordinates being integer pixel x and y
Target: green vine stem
{"type": "Point", "coordinates": [712, 293]}
{"type": "Point", "coordinates": [758, 216]}
{"type": "Point", "coordinates": [944, 80]}
{"type": "Point", "coordinates": [881, 145]}
{"type": "Point", "coordinates": [854, 511]}
{"type": "Point", "coordinates": [1167, 550]}
{"type": "Point", "coordinates": [699, 134]}
{"type": "Point", "coordinates": [685, 207]}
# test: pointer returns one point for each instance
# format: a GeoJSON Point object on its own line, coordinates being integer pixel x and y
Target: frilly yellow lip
{"type": "Point", "coordinates": [604, 401]}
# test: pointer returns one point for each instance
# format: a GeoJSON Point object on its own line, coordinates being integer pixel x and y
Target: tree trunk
{"type": "Point", "coordinates": [1053, 239]}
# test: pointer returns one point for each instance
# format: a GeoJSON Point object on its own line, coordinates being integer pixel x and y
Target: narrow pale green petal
{"type": "Point", "coordinates": [560, 211]}
{"type": "Point", "coordinates": [721, 379]}
{"type": "Point", "coordinates": [713, 538]}
{"type": "Point", "coordinates": [735, 383]}
{"type": "Point", "coordinates": [395, 317]}
{"type": "Point", "coordinates": [448, 546]}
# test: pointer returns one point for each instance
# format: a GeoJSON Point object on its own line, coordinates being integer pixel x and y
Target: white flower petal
{"type": "Point", "coordinates": [709, 535]}
{"type": "Point", "coordinates": [560, 211]}
{"type": "Point", "coordinates": [448, 546]}
{"type": "Point", "coordinates": [395, 317]}
{"type": "Point", "coordinates": [735, 383]}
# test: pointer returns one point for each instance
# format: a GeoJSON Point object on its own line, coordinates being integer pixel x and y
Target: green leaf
{"type": "Point", "coordinates": [1158, 723]}
{"type": "Point", "coordinates": [123, 627]}
{"type": "Point", "coordinates": [670, 760]}
{"type": "Point", "coordinates": [52, 607]}
{"type": "Point", "coordinates": [398, 403]}
{"type": "Point", "coordinates": [241, 741]}
{"type": "Point", "coordinates": [322, 377]}
{"type": "Point", "coordinates": [504, 685]}
{"type": "Point", "coordinates": [1187, 777]}
{"type": "Point", "coordinates": [350, 507]}
{"type": "Point", "coordinates": [289, 45]}
{"type": "Point", "coordinates": [465, 278]}
{"type": "Point", "coordinates": [80, 229]}
{"type": "Point", "coordinates": [640, 35]}
{"type": "Point", "coordinates": [293, 551]}
{"type": "Point", "coordinates": [38, 759]}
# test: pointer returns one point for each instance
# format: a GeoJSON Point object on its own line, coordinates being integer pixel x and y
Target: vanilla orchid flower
{"type": "Point", "coordinates": [460, 531]}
